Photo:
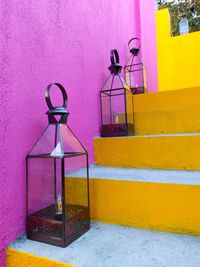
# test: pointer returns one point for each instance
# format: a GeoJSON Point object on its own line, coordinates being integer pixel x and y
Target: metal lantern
{"type": "Point", "coordinates": [135, 71]}
{"type": "Point", "coordinates": [57, 181]}
{"type": "Point", "coordinates": [116, 102]}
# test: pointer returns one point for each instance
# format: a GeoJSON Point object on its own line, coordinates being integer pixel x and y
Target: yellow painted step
{"type": "Point", "coordinates": [16, 258]}
{"type": "Point", "coordinates": [153, 151]}
{"type": "Point", "coordinates": [176, 111]}
{"type": "Point", "coordinates": [151, 199]}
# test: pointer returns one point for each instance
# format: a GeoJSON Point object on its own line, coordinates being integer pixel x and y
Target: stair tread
{"type": "Point", "coordinates": [142, 175]}
{"type": "Point", "coordinates": [114, 245]}
{"type": "Point", "coordinates": [153, 135]}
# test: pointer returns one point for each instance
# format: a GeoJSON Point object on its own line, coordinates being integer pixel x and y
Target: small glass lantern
{"type": "Point", "coordinates": [135, 71]}
{"type": "Point", "coordinates": [57, 181]}
{"type": "Point", "coordinates": [116, 102]}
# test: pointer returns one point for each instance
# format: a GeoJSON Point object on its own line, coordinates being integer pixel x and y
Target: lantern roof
{"type": "Point", "coordinates": [57, 140]}
{"type": "Point", "coordinates": [115, 81]}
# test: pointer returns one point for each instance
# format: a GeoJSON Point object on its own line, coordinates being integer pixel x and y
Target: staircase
{"type": "Point", "coordinates": [147, 181]}
{"type": "Point", "coordinates": [158, 182]}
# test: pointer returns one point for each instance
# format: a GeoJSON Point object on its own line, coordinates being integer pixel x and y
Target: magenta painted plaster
{"type": "Point", "coordinates": [43, 42]}
{"type": "Point", "coordinates": [137, 19]}
{"type": "Point", "coordinates": [148, 40]}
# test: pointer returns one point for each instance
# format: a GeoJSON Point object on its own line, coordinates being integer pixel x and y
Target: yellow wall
{"type": "Point", "coordinates": [178, 57]}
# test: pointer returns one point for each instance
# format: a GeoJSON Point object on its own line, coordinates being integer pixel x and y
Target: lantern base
{"type": "Point", "coordinates": [43, 226]}
{"type": "Point", "coordinates": [119, 129]}
{"type": "Point", "coordinates": [137, 90]}
{"type": "Point", "coordinates": [58, 216]}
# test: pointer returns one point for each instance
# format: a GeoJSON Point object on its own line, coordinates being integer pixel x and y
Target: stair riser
{"type": "Point", "coordinates": [167, 121]}
{"type": "Point", "coordinates": [163, 207]}
{"type": "Point", "coordinates": [161, 152]}
{"type": "Point", "coordinates": [175, 111]}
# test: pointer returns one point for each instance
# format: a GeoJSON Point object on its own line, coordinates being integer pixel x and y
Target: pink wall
{"type": "Point", "coordinates": [42, 42]}
{"type": "Point", "coordinates": [137, 18]}
{"type": "Point", "coordinates": [148, 39]}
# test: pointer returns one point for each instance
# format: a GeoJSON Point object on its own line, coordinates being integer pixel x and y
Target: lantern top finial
{"type": "Point", "coordinates": [115, 66]}
{"type": "Point", "coordinates": [136, 46]}
{"type": "Point", "coordinates": [60, 110]}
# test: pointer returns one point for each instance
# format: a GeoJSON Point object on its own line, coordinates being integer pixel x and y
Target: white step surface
{"type": "Point", "coordinates": [108, 245]}
{"type": "Point", "coordinates": [142, 175]}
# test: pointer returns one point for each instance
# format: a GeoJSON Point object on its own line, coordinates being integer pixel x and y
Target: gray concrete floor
{"type": "Point", "coordinates": [107, 245]}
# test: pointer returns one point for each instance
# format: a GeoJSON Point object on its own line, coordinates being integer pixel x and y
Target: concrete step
{"type": "Point", "coordinates": [152, 199]}
{"type": "Point", "coordinates": [176, 111]}
{"type": "Point", "coordinates": [108, 245]}
{"type": "Point", "coordinates": [167, 151]}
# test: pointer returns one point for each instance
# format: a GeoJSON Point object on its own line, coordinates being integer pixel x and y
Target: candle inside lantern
{"type": "Point", "coordinates": [116, 118]}
{"type": "Point", "coordinates": [58, 215]}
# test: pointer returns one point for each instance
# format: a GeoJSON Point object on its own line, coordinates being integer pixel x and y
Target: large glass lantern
{"type": "Point", "coordinates": [116, 102]}
{"type": "Point", "coordinates": [135, 71]}
{"type": "Point", "coordinates": [57, 181]}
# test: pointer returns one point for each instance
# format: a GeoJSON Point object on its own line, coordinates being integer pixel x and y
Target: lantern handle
{"type": "Point", "coordinates": [48, 99]}
{"type": "Point", "coordinates": [137, 48]}
{"type": "Point", "coordinates": [114, 57]}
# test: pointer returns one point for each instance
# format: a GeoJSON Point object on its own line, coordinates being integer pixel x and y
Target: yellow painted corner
{"type": "Point", "coordinates": [16, 258]}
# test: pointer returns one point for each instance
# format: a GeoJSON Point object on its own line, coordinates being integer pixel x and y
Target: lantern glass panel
{"type": "Point", "coordinates": [76, 195]}
{"type": "Point", "coordinates": [46, 143]}
{"type": "Point", "coordinates": [70, 142]}
{"type": "Point", "coordinates": [115, 81]}
{"type": "Point", "coordinates": [105, 108]}
{"type": "Point", "coordinates": [129, 110]}
{"type": "Point", "coordinates": [145, 78]}
{"type": "Point", "coordinates": [113, 106]}
{"type": "Point", "coordinates": [44, 187]}
{"type": "Point", "coordinates": [76, 188]}
{"type": "Point", "coordinates": [41, 172]}
{"type": "Point", "coordinates": [134, 72]}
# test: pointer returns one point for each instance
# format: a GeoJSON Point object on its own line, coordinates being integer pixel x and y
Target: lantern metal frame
{"type": "Point", "coordinates": [138, 68]}
{"type": "Point", "coordinates": [127, 126]}
{"type": "Point", "coordinates": [48, 229]}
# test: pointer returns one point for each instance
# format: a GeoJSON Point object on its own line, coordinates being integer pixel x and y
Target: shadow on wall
{"type": "Point", "coordinates": [178, 57]}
